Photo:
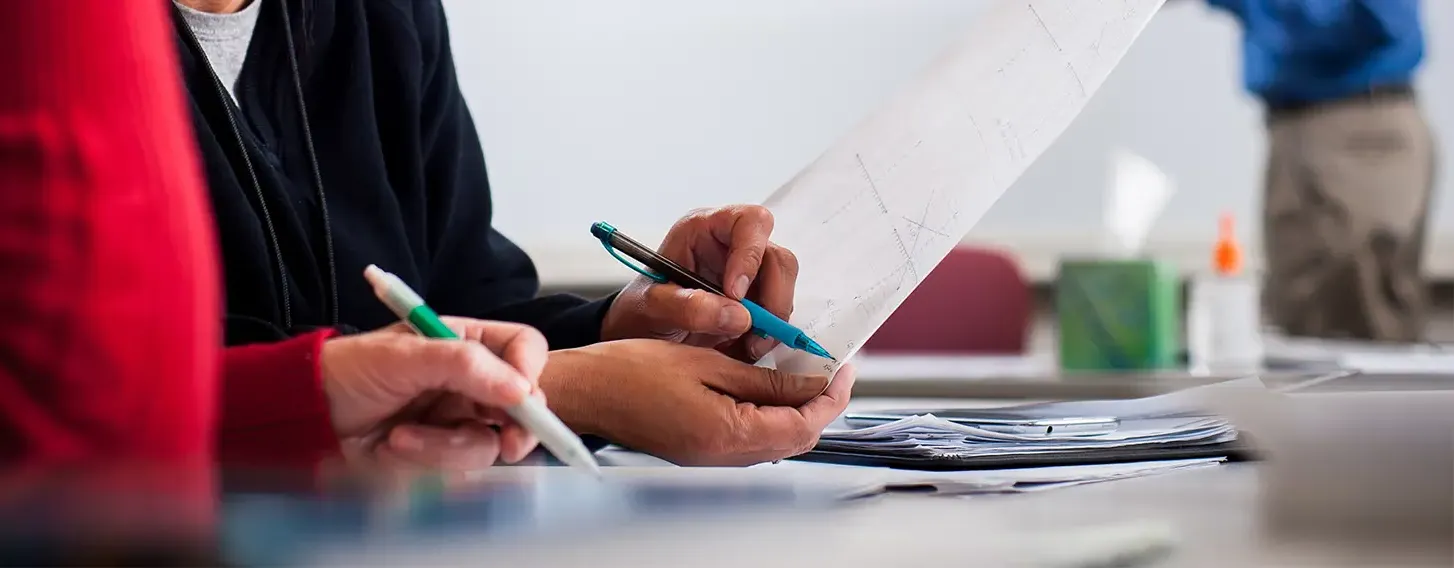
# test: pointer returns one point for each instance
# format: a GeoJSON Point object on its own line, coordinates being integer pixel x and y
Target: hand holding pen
{"type": "Point", "coordinates": [396, 399]}
{"type": "Point", "coordinates": [527, 412]}
{"type": "Point", "coordinates": [726, 285]}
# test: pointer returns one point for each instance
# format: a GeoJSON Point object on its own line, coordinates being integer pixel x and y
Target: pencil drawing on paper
{"type": "Point", "coordinates": [875, 213]}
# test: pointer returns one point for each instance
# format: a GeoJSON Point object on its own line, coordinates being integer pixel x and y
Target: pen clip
{"type": "Point", "coordinates": [607, 231]}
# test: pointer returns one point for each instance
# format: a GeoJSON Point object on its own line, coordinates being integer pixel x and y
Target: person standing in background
{"type": "Point", "coordinates": [1350, 167]}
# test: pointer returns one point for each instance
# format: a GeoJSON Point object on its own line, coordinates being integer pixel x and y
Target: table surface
{"type": "Point", "coordinates": [1211, 515]}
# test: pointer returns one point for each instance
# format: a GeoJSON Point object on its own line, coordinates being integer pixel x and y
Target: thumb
{"type": "Point", "coordinates": [767, 387]}
{"type": "Point", "coordinates": [696, 311]}
{"type": "Point", "coordinates": [471, 370]}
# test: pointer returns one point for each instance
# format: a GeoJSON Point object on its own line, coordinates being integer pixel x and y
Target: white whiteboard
{"type": "Point", "coordinates": [634, 111]}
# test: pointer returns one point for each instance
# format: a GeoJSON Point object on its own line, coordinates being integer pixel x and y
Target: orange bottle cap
{"type": "Point", "coordinates": [1227, 255]}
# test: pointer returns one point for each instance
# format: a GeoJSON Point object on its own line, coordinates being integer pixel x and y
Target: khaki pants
{"type": "Point", "coordinates": [1344, 220]}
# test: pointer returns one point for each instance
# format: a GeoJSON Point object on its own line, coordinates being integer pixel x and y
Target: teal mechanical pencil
{"type": "Point", "coordinates": [662, 269]}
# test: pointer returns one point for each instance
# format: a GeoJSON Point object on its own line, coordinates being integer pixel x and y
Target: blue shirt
{"type": "Point", "coordinates": [1298, 51]}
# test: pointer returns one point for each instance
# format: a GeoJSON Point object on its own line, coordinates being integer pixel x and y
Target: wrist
{"type": "Point", "coordinates": [338, 374]}
{"type": "Point", "coordinates": [327, 370]}
{"type": "Point", "coordinates": [567, 384]}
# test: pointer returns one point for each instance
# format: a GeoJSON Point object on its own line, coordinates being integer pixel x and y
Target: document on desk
{"type": "Point", "coordinates": [869, 218]}
{"type": "Point", "coordinates": [929, 437]}
{"type": "Point", "coordinates": [1163, 426]}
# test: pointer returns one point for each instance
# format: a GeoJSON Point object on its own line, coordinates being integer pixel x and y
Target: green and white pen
{"type": "Point", "coordinates": [532, 414]}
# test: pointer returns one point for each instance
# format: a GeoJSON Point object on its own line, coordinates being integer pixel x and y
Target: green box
{"type": "Point", "coordinates": [1118, 315]}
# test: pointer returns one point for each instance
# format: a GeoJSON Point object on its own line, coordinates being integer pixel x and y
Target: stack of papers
{"type": "Point", "coordinates": [1166, 422]}
{"type": "Point", "coordinates": [931, 437]}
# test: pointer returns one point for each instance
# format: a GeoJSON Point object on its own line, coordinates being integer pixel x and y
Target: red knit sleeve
{"type": "Point", "coordinates": [274, 412]}
{"type": "Point", "coordinates": [108, 286]}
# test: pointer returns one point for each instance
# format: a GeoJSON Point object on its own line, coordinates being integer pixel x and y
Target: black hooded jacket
{"type": "Point", "coordinates": [352, 146]}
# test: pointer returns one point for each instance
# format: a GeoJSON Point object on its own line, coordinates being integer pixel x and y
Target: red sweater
{"type": "Point", "coordinates": [274, 412]}
{"type": "Point", "coordinates": [109, 293]}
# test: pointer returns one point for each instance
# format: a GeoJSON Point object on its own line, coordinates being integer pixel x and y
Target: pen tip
{"type": "Point", "coordinates": [818, 350]}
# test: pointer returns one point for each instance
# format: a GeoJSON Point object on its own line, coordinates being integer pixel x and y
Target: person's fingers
{"type": "Point", "coordinates": [762, 386]}
{"type": "Point", "coordinates": [785, 432]}
{"type": "Point", "coordinates": [745, 229]}
{"type": "Point", "coordinates": [827, 407]}
{"type": "Point", "coordinates": [449, 409]}
{"type": "Point", "coordinates": [522, 346]}
{"type": "Point", "coordinates": [453, 411]}
{"type": "Point", "coordinates": [695, 311]}
{"type": "Point", "coordinates": [773, 290]}
{"type": "Point", "coordinates": [493, 416]}
{"type": "Point", "coordinates": [515, 443]}
{"type": "Point", "coordinates": [683, 236]}
{"type": "Point", "coordinates": [466, 447]}
{"type": "Point", "coordinates": [470, 369]}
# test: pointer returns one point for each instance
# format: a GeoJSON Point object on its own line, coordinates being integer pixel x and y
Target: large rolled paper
{"type": "Point", "coordinates": [874, 214]}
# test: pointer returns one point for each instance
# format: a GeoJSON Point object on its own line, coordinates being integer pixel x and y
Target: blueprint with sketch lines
{"type": "Point", "coordinates": [869, 218]}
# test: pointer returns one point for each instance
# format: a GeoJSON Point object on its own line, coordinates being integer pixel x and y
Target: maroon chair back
{"type": "Point", "coordinates": [975, 302]}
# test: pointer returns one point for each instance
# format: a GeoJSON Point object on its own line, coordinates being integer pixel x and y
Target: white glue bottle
{"type": "Point", "coordinates": [1224, 323]}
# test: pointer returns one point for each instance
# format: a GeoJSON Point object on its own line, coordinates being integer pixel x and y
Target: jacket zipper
{"type": "Point", "coordinates": [221, 91]}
